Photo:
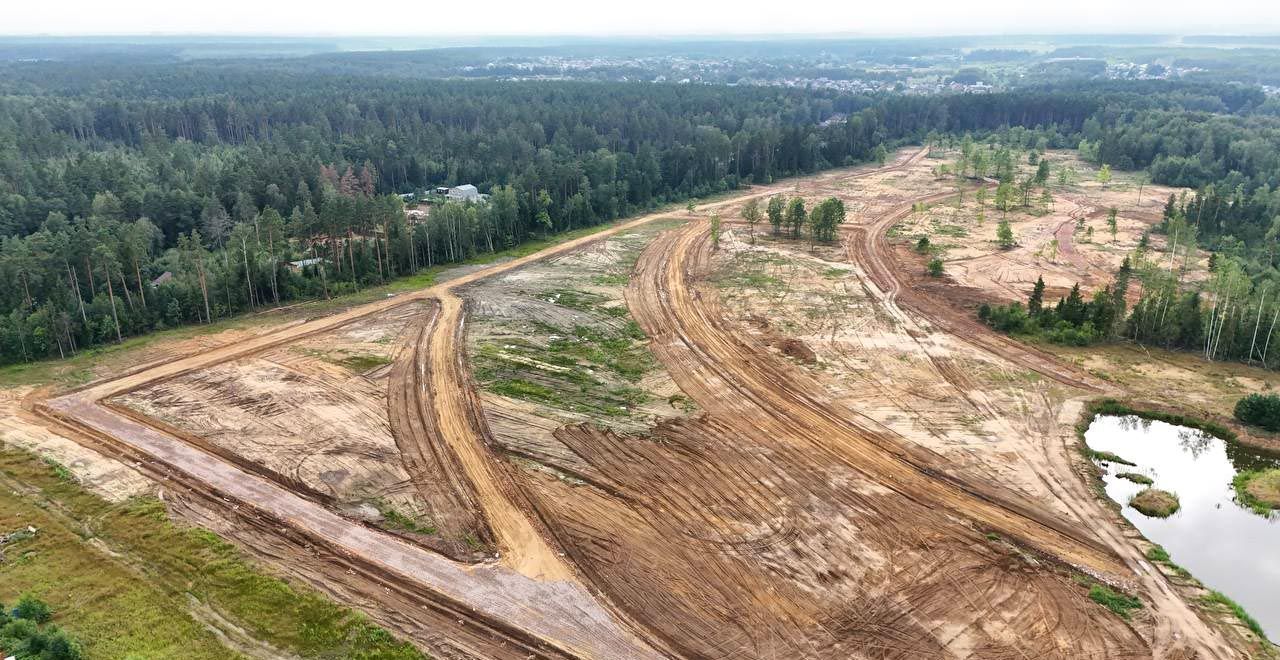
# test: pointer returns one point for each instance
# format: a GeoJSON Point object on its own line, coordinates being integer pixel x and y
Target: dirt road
{"type": "Point", "coordinates": [869, 248]}
{"type": "Point", "coordinates": [691, 547]}
{"type": "Point", "coordinates": [1178, 627]}
{"type": "Point", "coordinates": [789, 402]}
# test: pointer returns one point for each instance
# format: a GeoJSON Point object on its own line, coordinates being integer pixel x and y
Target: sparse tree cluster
{"type": "Point", "coordinates": [1073, 320]}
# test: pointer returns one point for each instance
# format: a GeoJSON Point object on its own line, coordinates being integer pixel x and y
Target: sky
{"type": "Point", "coordinates": [650, 17]}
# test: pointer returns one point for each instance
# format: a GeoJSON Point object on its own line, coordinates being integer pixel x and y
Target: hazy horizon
{"type": "Point", "coordinates": [657, 19]}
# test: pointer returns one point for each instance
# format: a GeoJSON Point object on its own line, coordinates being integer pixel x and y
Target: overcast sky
{"type": "Point", "coordinates": [615, 17]}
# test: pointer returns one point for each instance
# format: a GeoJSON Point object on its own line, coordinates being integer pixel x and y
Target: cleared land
{"type": "Point", "coordinates": [766, 481]}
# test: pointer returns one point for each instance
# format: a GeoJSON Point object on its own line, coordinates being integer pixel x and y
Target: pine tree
{"type": "Point", "coordinates": [1073, 309]}
{"type": "Point", "coordinates": [1035, 302]}
{"type": "Point", "coordinates": [1004, 235]}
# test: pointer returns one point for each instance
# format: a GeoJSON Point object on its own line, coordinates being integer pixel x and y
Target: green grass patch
{"type": "Point", "coordinates": [396, 521]}
{"type": "Point", "coordinates": [1118, 603]}
{"type": "Point", "coordinates": [1159, 555]}
{"type": "Point", "coordinates": [523, 389]}
{"type": "Point", "coordinates": [750, 279]}
{"type": "Point", "coordinates": [1219, 598]}
{"type": "Point", "coordinates": [364, 362]}
{"type": "Point", "coordinates": [611, 279]}
{"type": "Point", "coordinates": [135, 601]}
{"type": "Point", "coordinates": [1107, 457]}
{"type": "Point", "coordinates": [1136, 478]}
{"type": "Point", "coordinates": [955, 231]}
{"type": "Point", "coordinates": [1258, 490]}
{"type": "Point", "coordinates": [583, 301]}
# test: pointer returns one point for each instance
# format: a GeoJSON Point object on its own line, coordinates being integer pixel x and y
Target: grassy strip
{"type": "Point", "coordinates": [1107, 457]}
{"type": "Point", "coordinates": [1159, 555]}
{"type": "Point", "coordinates": [394, 520]}
{"type": "Point", "coordinates": [1219, 598]}
{"type": "Point", "coordinates": [1119, 409]}
{"type": "Point", "coordinates": [123, 578]}
{"type": "Point", "coordinates": [1136, 478]}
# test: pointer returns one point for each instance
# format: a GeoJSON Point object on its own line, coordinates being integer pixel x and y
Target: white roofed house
{"type": "Point", "coordinates": [463, 193]}
{"type": "Point", "coordinates": [303, 263]}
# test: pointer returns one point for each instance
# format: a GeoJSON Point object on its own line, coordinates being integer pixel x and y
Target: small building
{"type": "Point", "coordinates": [463, 193]}
{"type": "Point", "coordinates": [441, 190]}
{"type": "Point", "coordinates": [164, 277]}
{"type": "Point", "coordinates": [303, 263]}
{"type": "Point", "coordinates": [409, 197]}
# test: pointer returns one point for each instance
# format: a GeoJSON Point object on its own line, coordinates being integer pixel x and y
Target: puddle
{"type": "Point", "coordinates": [1224, 545]}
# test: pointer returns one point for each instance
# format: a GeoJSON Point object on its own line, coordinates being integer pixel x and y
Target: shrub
{"type": "Point", "coordinates": [17, 632]}
{"type": "Point", "coordinates": [1261, 410]}
{"type": "Point", "coordinates": [1009, 318]}
{"type": "Point", "coordinates": [935, 267]}
{"type": "Point", "coordinates": [922, 245]}
{"type": "Point", "coordinates": [32, 609]}
{"type": "Point", "coordinates": [1063, 332]}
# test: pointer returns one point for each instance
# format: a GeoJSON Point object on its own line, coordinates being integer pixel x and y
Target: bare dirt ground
{"type": "Point", "coordinates": [552, 345]}
{"type": "Point", "coordinates": [851, 488]}
{"type": "Point", "coordinates": [936, 376]}
{"type": "Point", "coordinates": [313, 416]}
{"type": "Point", "coordinates": [1066, 242]}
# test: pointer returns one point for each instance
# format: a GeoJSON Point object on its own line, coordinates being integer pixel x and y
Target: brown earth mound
{"type": "Point", "coordinates": [1156, 503]}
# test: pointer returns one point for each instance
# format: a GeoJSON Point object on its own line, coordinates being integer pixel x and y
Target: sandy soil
{"type": "Point", "coordinates": [109, 478]}
{"type": "Point", "coordinates": [313, 416]}
{"type": "Point", "coordinates": [847, 486]}
{"type": "Point", "coordinates": [1067, 243]}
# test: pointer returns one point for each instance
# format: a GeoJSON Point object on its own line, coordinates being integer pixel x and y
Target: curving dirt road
{"type": "Point", "coordinates": [869, 248]}
{"type": "Point", "coordinates": [533, 600]}
{"type": "Point", "coordinates": [786, 401]}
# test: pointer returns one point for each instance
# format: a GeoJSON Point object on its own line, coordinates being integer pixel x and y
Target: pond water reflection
{"type": "Point", "coordinates": [1226, 546]}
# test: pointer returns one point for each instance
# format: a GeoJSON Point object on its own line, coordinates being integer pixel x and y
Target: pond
{"type": "Point", "coordinates": [1226, 546]}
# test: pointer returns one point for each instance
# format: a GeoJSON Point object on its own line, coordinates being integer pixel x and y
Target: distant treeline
{"type": "Point", "coordinates": [221, 174]}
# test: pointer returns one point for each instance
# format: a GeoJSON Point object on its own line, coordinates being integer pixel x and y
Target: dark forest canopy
{"type": "Point", "coordinates": [114, 173]}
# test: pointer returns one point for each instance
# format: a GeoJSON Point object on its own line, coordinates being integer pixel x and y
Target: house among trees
{"type": "Point", "coordinates": [465, 193]}
{"type": "Point", "coordinates": [297, 266]}
{"type": "Point", "coordinates": [164, 277]}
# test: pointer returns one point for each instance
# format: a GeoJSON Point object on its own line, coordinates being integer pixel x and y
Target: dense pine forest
{"type": "Point", "coordinates": [136, 196]}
